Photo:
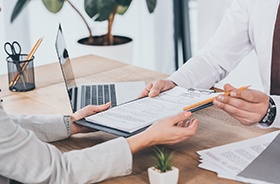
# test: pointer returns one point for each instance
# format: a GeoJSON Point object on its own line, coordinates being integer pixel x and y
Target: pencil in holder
{"type": "Point", "coordinates": [21, 73]}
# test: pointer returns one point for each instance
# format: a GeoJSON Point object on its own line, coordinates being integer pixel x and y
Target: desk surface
{"type": "Point", "coordinates": [216, 127]}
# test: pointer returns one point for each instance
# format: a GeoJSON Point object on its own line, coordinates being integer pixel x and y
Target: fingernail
{"type": "Point", "coordinates": [221, 97]}
{"type": "Point", "coordinates": [233, 93]}
{"type": "Point", "coordinates": [187, 124]}
{"type": "Point", "coordinates": [216, 102]}
{"type": "Point", "coordinates": [191, 123]}
{"type": "Point", "coordinates": [187, 113]}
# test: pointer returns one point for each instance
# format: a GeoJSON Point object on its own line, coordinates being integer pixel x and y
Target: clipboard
{"type": "Point", "coordinates": [166, 104]}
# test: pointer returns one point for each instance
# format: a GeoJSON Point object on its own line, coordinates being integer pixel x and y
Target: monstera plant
{"type": "Point", "coordinates": [99, 10]}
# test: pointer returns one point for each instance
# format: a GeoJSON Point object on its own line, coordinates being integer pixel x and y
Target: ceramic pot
{"type": "Point", "coordinates": [120, 51]}
{"type": "Point", "coordinates": [169, 177]}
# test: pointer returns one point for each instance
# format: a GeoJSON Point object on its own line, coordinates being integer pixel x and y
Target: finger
{"type": "Point", "coordinates": [193, 124]}
{"type": "Point", "coordinates": [187, 131]}
{"type": "Point", "coordinates": [222, 100]}
{"type": "Point", "coordinates": [90, 109]}
{"type": "Point", "coordinates": [178, 117]}
{"type": "Point", "coordinates": [228, 87]}
{"type": "Point", "coordinates": [180, 124]}
{"type": "Point", "coordinates": [244, 102]}
{"type": "Point", "coordinates": [231, 105]}
{"type": "Point", "coordinates": [187, 123]}
{"type": "Point", "coordinates": [250, 95]}
{"type": "Point", "coordinates": [234, 92]}
{"type": "Point", "coordinates": [99, 108]}
{"type": "Point", "coordinates": [244, 115]}
{"type": "Point", "coordinates": [156, 88]}
{"type": "Point", "coordinates": [146, 91]}
{"type": "Point", "coordinates": [184, 132]}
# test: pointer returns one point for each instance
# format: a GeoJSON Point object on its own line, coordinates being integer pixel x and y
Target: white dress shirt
{"type": "Point", "coordinates": [247, 25]}
{"type": "Point", "coordinates": [25, 158]}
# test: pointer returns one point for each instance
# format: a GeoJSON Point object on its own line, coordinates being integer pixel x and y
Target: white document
{"type": "Point", "coordinates": [229, 160]}
{"type": "Point", "coordinates": [140, 113]}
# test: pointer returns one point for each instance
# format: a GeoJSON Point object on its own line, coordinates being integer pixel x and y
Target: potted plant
{"type": "Point", "coordinates": [163, 171]}
{"type": "Point", "coordinates": [100, 10]}
{"type": "Point", "coordinates": [112, 46]}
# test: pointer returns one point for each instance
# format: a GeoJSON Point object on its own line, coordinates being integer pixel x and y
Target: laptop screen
{"type": "Point", "coordinates": [64, 60]}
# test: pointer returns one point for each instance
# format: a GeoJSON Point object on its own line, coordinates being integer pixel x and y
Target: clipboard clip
{"type": "Point", "coordinates": [202, 91]}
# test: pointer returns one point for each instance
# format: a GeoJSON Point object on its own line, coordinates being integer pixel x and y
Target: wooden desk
{"type": "Point", "coordinates": [216, 127]}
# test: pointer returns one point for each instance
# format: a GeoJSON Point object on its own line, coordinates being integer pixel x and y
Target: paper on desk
{"type": "Point", "coordinates": [229, 160]}
{"type": "Point", "coordinates": [140, 113]}
{"type": "Point", "coordinates": [267, 165]}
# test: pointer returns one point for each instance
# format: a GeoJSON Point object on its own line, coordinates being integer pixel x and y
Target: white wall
{"type": "Point", "coordinates": [35, 22]}
{"type": "Point", "coordinates": [11, 32]}
{"type": "Point", "coordinates": [152, 33]}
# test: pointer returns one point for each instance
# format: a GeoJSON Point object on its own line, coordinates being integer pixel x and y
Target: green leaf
{"type": "Point", "coordinates": [20, 5]}
{"type": "Point", "coordinates": [123, 6]}
{"type": "Point", "coordinates": [91, 7]}
{"type": "Point", "coordinates": [151, 4]}
{"type": "Point", "coordinates": [53, 6]}
{"type": "Point", "coordinates": [101, 8]}
{"type": "Point", "coordinates": [122, 9]}
{"type": "Point", "coordinates": [163, 160]}
{"type": "Point", "coordinates": [124, 2]}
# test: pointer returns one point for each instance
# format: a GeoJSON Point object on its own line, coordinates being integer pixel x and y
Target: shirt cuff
{"type": "Point", "coordinates": [68, 124]}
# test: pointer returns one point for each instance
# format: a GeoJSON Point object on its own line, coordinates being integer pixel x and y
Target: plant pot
{"type": "Point", "coordinates": [169, 177]}
{"type": "Point", "coordinates": [121, 50]}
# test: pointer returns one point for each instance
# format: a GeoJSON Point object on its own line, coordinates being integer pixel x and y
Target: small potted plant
{"type": "Point", "coordinates": [163, 171]}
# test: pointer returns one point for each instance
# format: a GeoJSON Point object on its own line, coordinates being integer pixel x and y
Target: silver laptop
{"type": "Point", "coordinates": [95, 94]}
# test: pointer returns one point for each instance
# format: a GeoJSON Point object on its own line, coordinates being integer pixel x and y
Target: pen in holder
{"type": "Point", "coordinates": [20, 73]}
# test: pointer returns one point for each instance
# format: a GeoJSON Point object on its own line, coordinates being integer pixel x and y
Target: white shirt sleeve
{"type": "Point", "coordinates": [221, 54]}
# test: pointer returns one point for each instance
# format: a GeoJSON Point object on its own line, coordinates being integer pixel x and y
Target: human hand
{"type": "Point", "coordinates": [169, 130]}
{"type": "Point", "coordinates": [247, 106]}
{"type": "Point", "coordinates": [84, 112]}
{"type": "Point", "coordinates": [154, 88]}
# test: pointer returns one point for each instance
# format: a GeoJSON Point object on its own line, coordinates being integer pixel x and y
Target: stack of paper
{"type": "Point", "coordinates": [230, 160]}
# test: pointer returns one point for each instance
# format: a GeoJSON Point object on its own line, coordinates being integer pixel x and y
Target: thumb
{"type": "Point", "coordinates": [90, 109]}
{"type": "Point", "coordinates": [228, 87]}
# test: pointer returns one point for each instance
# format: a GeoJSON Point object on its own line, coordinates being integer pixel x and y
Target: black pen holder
{"type": "Point", "coordinates": [20, 73]}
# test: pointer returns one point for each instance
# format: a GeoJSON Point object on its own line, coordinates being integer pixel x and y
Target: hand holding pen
{"type": "Point", "coordinates": [247, 106]}
{"type": "Point", "coordinates": [208, 102]}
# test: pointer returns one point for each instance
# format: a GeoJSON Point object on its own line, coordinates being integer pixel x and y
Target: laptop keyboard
{"type": "Point", "coordinates": [95, 95]}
